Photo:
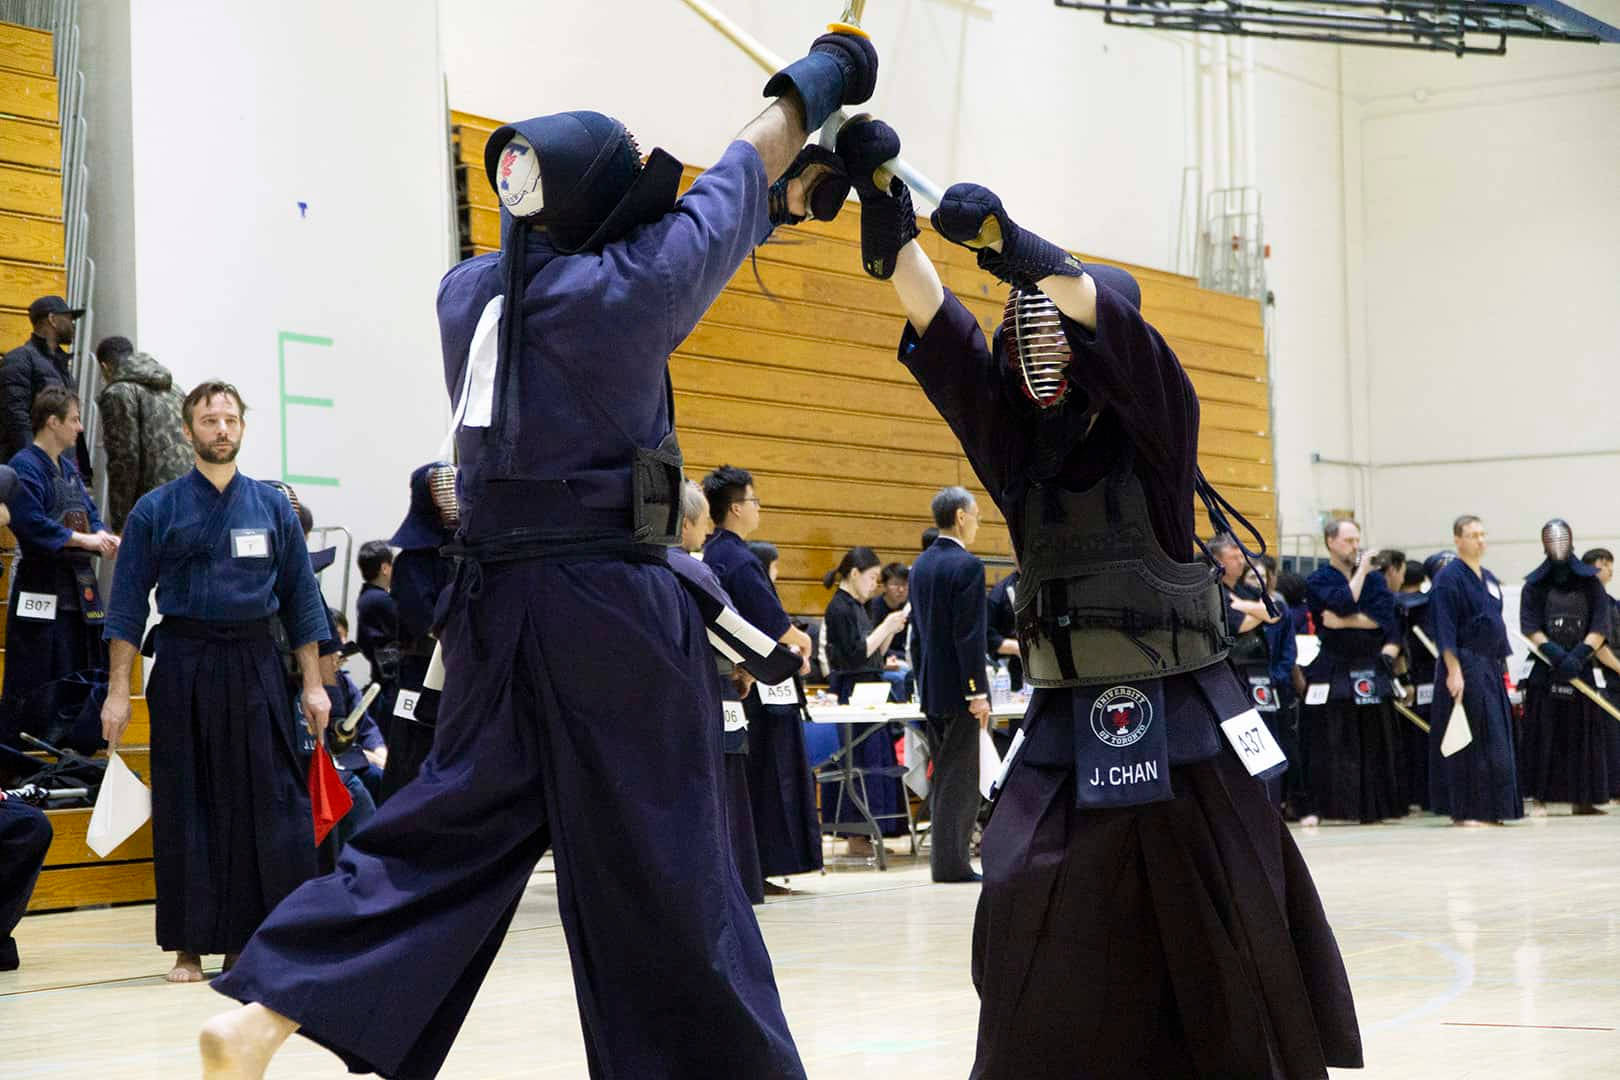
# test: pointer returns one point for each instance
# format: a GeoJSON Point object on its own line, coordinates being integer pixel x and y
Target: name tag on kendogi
{"type": "Point", "coordinates": [250, 543]}
{"type": "Point", "coordinates": [1252, 740]}
{"type": "Point", "coordinates": [1316, 694]}
{"type": "Point", "coordinates": [405, 704]}
{"type": "Point", "coordinates": [785, 692]}
{"type": "Point", "coordinates": [736, 719]}
{"type": "Point", "coordinates": [36, 605]}
{"type": "Point", "coordinates": [1425, 694]}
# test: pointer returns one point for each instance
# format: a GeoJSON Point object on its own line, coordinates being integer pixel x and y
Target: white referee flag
{"type": "Point", "coordinates": [123, 805]}
{"type": "Point", "coordinates": [1457, 734]}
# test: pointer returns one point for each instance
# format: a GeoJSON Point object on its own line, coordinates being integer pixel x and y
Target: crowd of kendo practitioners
{"type": "Point", "coordinates": [574, 647]}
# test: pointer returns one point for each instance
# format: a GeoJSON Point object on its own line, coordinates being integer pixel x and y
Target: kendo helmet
{"type": "Point", "coordinates": [580, 176]}
{"type": "Point", "coordinates": [1558, 540]}
{"type": "Point", "coordinates": [1035, 346]}
{"type": "Point", "coordinates": [442, 486]}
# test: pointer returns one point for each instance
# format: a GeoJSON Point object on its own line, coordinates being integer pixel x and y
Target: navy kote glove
{"type": "Point", "coordinates": [840, 69]}
{"type": "Point", "coordinates": [972, 215]}
{"type": "Point", "coordinates": [888, 223]}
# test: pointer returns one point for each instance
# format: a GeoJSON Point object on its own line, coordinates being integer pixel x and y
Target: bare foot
{"type": "Point", "coordinates": [187, 968]}
{"type": "Point", "coordinates": [1310, 821]}
{"type": "Point", "coordinates": [238, 1045]}
{"type": "Point", "coordinates": [1538, 808]}
{"type": "Point", "coordinates": [1468, 823]}
{"type": "Point", "coordinates": [860, 846]}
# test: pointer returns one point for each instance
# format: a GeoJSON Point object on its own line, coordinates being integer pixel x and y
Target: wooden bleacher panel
{"type": "Point", "coordinates": [30, 142]}
{"type": "Point", "coordinates": [30, 96]}
{"type": "Point", "coordinates": [27, 190]}
{"type": "Point", "coordinates": [31, 239]}
{"type": "Point", "coordinates": [792, 374]}
{"type": "Point", "coordinates": [21, 282]}
{"type": "Point", "coordinates": [93, 883]}
{"type": "Point", "coordinates": [27, 50]}
{"type": "Point", "coordinates": [69, 848]}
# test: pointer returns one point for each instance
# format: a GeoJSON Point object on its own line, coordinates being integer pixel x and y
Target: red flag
{"type": "Point", "coordinates": [329, 800]}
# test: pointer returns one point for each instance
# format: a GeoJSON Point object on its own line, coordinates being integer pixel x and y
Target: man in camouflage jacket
{"type": "Point", "coordinates": [140, 426]}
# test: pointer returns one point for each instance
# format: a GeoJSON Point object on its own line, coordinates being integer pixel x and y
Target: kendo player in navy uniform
{"type": "Point", "coordinates": [1564, 611]}
{"type": "Point", "coordinates": [1145, 912]}
{"type": "Point", "coordinates": [1355, 749]}
{"type": "Point", "coordinates": [1481, 781]}
{"type": "Point", "coordinates": [54, 622]}
{"type": "Point", "coordinates": [231, 825]}
{"type": "Point", "coordinates": [581, 705]}
{"type": "Point", "coordinates": [421, 576]}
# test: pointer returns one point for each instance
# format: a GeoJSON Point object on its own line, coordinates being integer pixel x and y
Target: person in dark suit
{"type": "Point", "coordinates": [948, 609]}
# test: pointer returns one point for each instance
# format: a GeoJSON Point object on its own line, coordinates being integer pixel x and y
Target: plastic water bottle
{"type": "Point", "coordinates": [1000, 685]}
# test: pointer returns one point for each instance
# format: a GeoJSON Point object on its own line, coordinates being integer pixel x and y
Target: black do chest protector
{"type": "Point", "coordinates": [1099, 601]}
{"type": "Point", "coordinates": [1567, 616]}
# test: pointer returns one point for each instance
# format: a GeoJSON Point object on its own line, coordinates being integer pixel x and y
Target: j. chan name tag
{"type": "Point", "coordinates": [1316, 694]}
{"type": "Point", "coordinates": [250, 543]}
{"type": "Point", "coordinates": [736, 719]}
{"type": "Point", "coordinates": [1425, 694]}
{"type": "Point", "coordinates": [1491, 588]}
{"type": "Point", "coordinates": [36, 605]}
{"type": "Point", "coordinates": [785, 692]}
{"type": "Point", "coordinates": [405, 704]}
{"type": "Point", "coordinates": [1252, 740]}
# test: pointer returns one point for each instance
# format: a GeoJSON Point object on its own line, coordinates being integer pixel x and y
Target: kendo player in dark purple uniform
{"type": "Point", "coordinates": [1480, 782]}
{"type": "Point", "coordinates": [421, 576]}
{"type": "Point", "coordinates": [1564, 611]}
{"type": "Point", "coordinates": [1145, 912]}
{"type": "Point", "coordinates": [581, 708]}
{"type": "Point", "coordinates": [1354, 747]}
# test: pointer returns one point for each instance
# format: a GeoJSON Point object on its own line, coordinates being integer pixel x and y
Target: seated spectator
{"type": "Point", "coordinates": [768, 557]}
{"type": "Point", "coordinates": [894, 590]}
{"type": "Point", "coordinates": [141, 429]}
{"type": "Point", "coordinates": [43, 360]}
{"type": "Point", "coordinates": [367, 755]}
{"type": "Point", "coordinates": [855, 651]}
{"type": "Point", "coordinates": [54, 622]}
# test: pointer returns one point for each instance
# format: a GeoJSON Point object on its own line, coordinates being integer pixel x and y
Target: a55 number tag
{"type": "Point", "coordinates": [1252, 740]}
{"type": "Point", "coordinates": [785, 692]}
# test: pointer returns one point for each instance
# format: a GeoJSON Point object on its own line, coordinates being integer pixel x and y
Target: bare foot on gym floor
{"type": "Point", "coordinates": [1538, 808]}
{"type": "Point", "coordinates": [1468, 823]}
{"type": "Point", "coordinates": [238, 1045]}
{"type": "Point", "coordinates": [187, 968]}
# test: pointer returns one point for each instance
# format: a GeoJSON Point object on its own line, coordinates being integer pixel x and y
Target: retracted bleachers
{"type": "Point", "coordinates": [792, 374]}
{"type": "Point", "coordinates": [32, 264]}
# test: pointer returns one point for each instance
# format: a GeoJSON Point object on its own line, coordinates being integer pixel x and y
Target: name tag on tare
{"type": "Point", "coordinates": [36, 605]}
{"type": "Point", "coordinates": [1599, 680]}
{"type": "Point", "coordinates": [1425, 694]}
{"type": "Point", "coordinates": [250, 543]}
{"type": "Point", "coordinates": [736, 719]}
{"type": "Point", "coordinates": [405, 704]}
{"type": "Point", "coordinates": [1316, 694]}
{"type": "Point", "coordinates": [785, 692]}
{"type": "Point", "coordinates": [1252, 740]}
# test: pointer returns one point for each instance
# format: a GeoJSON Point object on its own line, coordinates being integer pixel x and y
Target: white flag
{"type": "Point", "coordinates": [989, 762]}
{"type": "Point", "coordinates": [1457, 734]}
{"type": "Point", "coordinates": [123, 805]}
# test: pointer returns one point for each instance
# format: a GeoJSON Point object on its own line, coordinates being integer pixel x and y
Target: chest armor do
{"type": "Point", "coordinates": [1567, 617]}
{"type": "Point", "coordinates": [67, 507]}
{"type": "Point", "coordinates": [1099, 601]}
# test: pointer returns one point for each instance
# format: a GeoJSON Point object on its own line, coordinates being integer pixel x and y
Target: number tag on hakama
{"type": "Point", "coordinates": [250, 543]}
{"type": "Point", "coordinates": [1252, 740]}
{"type": "Point", "coordinates": [785, 692]}
{"type": "Point", "coordinates": [1316, 694]}
{"type": "Point", "coordinates": [405, 704]}
{"type": "Point", "coordinates": [735, 718]}
{"type": "Point", "coordinates": [36, 605]}
{"type": "Point", "coordinates": [1425, 694]}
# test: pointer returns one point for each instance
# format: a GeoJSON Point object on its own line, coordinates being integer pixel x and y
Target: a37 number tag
{"type": "Point", "coordinates": [1252, 740]}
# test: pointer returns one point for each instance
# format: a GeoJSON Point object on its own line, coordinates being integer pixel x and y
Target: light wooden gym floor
{"type": "Point", "coordinates": [1473, 953]}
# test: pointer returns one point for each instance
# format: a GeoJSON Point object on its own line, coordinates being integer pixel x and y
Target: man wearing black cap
{"type": "Point", "coordinates": [1145, 912]}
{"type": "Point", "coordinates": [581, 707]}
{"type": "Point", "coordinates": [43, 360]}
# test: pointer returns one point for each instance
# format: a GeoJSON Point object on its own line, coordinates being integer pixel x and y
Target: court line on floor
{"type": "Point", "coordinates": [1462, 978]}
{"type": "Point", "coordinates": [1531, 1027]}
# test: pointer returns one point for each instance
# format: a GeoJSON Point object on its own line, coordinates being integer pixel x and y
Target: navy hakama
{"type": "Point", "coordinates": [1565, 744]}
{"type": "Point", "coordinates": [539, 737]}
{"type": "Point", "coordinates": [25, 837]}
